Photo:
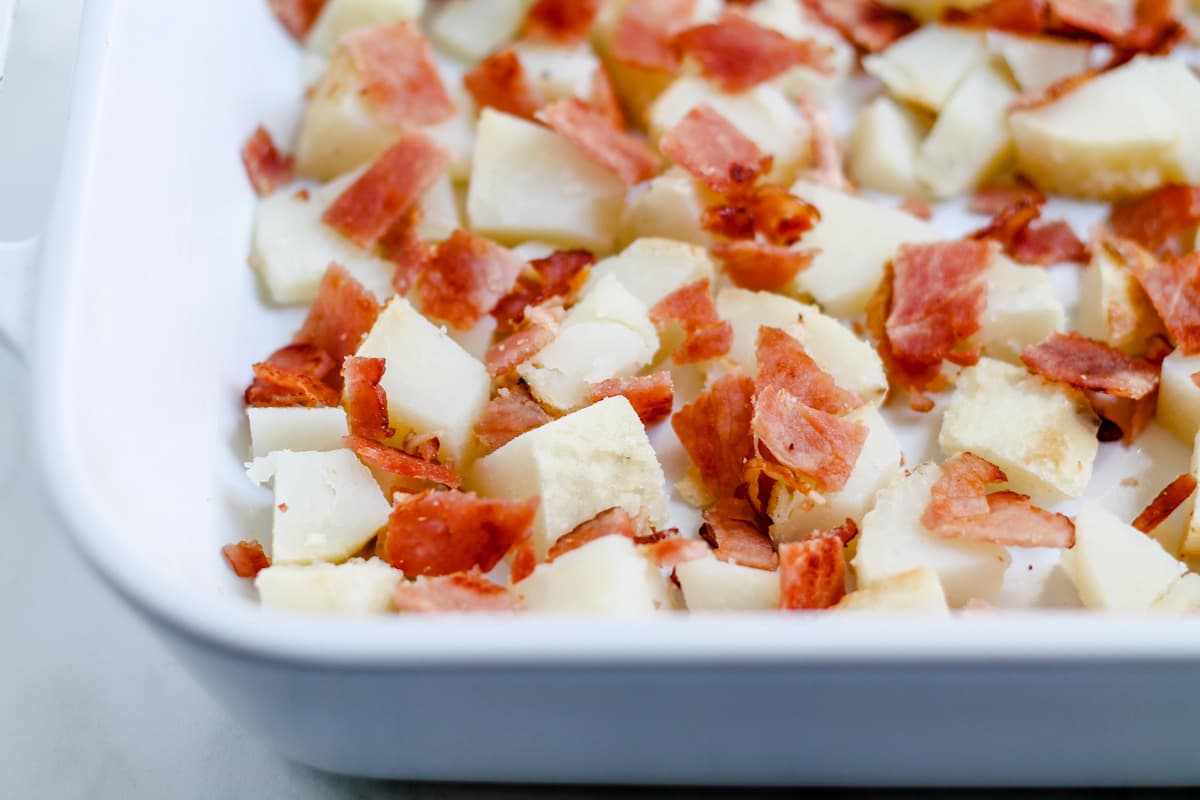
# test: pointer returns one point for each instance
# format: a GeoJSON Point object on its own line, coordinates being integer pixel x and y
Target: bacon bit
{"type": "Point", "coordinates": [1008, 223]}
{"type": "Point", "coordinates": [1016, 228]}
{"type": "Point", "coordinates": [523, 559]}
{"type": "Point", "coordinates": [714, 429]}
{"type": "Point", "coordinates": [1045, 243]}
{"type": "Point", "coordinates": [283, 507]}
{"type": "Point", "coordinates": [626, 156]}
{"type": "Point", "coordinates": [738, 54]}
{"type": "Point", "coordinates": [1159, 220]}
{"type": "Point", "coordinates": [990, 200]}
{"type": "Point", "coordinates": [960, 491]}
{"type": "Point", "coordinates": [397, 462]}
{"type": "Point", "coordinates": [784, 364]}
{"type": "Point", "coordinates": [770, 210]}
{"type": "Point", "coordinates": [1088, 364]}
{"type": "Point", "coordinates": [341, 315]}
{"type": "Point", "coordinates": [267, 168]}
{"type": "Point", "coordinates": [738, 535]}
{"type": "Point", "coordinates": [462, 591]}
{"type": "Point", "coordinates": [761, 266]}
{"type": "Point", "coordinates": [1086, 16]}
{"type": "Point", "coordinates": [1155, 30]}
{"type": "Point", "coordinates": [917, 207]}
{"type": "Point", "coordinates": [468, 276]}
{"type": "Point", "coordinates": [827, 158]}
{"type": "Point", "coordinates": [564, 22]}
{"type": "Point", "coordinates": [513, 350]}
{"type": "Point", "coordinates": [1174, 290]}
{"type": "Point", "coordinates": [644, 31]}
{"type": "Point", "coordinates": [366, 400]}
{"type": "Point", "coordinates": [1014, 16]}
{"type": "Point", "coordinates": [812, 573]}
{"type": "Point", "coordinates": [370, 206]}
{"type": "Point", "coordinates": [560, 274]}
{"type": "Point", "coordinates": [812, 446]}
{"type": "Point", "coordinates": [1196, 379]}
{"type": "Point", "coordinates": [1165, 502]}
{"type": "Point", "coordinates": [442, 532]}
{"type": "Point", "coordinates": [614, 521]}
{"type": "Point", "coordinates": [410, 254]}
{"type": "Point", "coordinates": [1048, 94]}
{"type": "Point", "coordinates": [293, 376]}
{"type": "Point", "coordinates": [1013, 521]}
{"type": "Point", "coordinates": [846, 531]}
{"type": "Point", "coordinates": [867, 24]}
{"type": "Point", "coordinates": [604, 98]}
{"type": "Point", "coordinates": [297, 16]}
{"type": "Point", "coordinates": [424, 446]}
{"type": "Point", "coordinates": [499, 81]}
{"type": "Point", "coordinates": [712, 150]}
{"type": "Point", "coordinates": [652, 396]}
{"type": "Point", "coordinates": [246, 559]}
{"type": "Point", "coordinates": [400, 77]}
{"type": "Point", "coordinates": [508, 415]}
{"type": "Point", "coordinates": [669, 553]}
{"type": "Point", "coordinates": [692, 306]}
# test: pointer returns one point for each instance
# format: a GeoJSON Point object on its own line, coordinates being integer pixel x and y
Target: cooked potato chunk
{"type": "Point", "coordinates": [1182, 598]}
{"type": "Point", "coordinates": [1112, 306]}
{"type": "Point", "coordinates": [1179, 396]}
{"type": "Point", "coordinates": [651, 268]}
{"type": "Point", "coordinates": [356, 587]}
{"type": "Point", "coordinates": [668, 205]}
{"type": "Point", "coordinates": [342, 16]}
{"type": "Point", "coordinates": [1038, 61]}
{"type": "Point", "coordinates": [712, 585]}
{"type": "Point", "coordinates": [1022, 310]}
{"type": "Point", "coordinates": [917, 590]}
{"type": "Point", "coordinates": [607, 576]}
{"type": "Point", "coordinates": [471, 29]}
{"type": "Point", "coordinates": [1191, 540]}
{"type": "Point", "coordinates": [884, 147]}
{"type": "Point", "coordinates": [295, 428]}
{"type": "Point", "coordinates": [924, 67]}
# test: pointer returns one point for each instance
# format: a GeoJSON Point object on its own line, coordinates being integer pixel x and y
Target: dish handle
{"type": "Point", "coordinates": [15, 261]}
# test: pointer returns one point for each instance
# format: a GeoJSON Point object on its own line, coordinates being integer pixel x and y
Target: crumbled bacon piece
{"type": "Point", "coordinates": [614, 521]}
{"type": "Point", "coordinates": [560, 274]}
{"type": "Point", "coordinates": [812, 573]}
{"type": "Point", "coordinates": [370, 206]}
{"type": "Point", "coordinates": [403, 246]}
{"type": "Point", "coordinates": [246, 559]}
{"type": "Point", "coordinates": [443, 532]}
{"type": "Point", "coordinates": [845, 532]}
{"type": "Point", "coordinates": [692, 306]}
{"type": "Point", "coordinates": [770, 211]}
{"type": "Point", "coordinates": [425, 446]}
{"type": "Point", "coordinates": [522, 559]}
{"type": "Point", "coordinates": [990, 200]}
{"type": "Point", "coordinates": [1088, 364]}
{"type": "Point", "coordinates": [1008, 223]}
{"type": "Point", "coordinates": [563, 22]}
{"type": "Point", "coordinates": [297, 16]}
{"type": "Point", "coordinates": [1174, 290]}
{"type": "Point", "coordinates": [499, 81]}
{"type": "Point", "coordinates": [738, 54]}
{"type": "Point", "coordinates": [918, 207]}
{"type": "Point", "coordinates": [512, 412]}
{"type": "Point", "coordinates": [713, 151]}
{"type": "Point", "coordinates": [868, 24]}
{"type": "Point", "coordinates": [366, 400]}
{"type": "Point", "coordinates": [399, 75]}
{"type": "Point", "coordinates": [294, 375]}
{"type": "Point", "coordinates": [1160, 220]}
{"type": "Point", "coordinates": [1045, 243]}
{"type": "Point", "coordinates": [812, 446]}
{"type": "Point", "coordinates": [341, 315]}
{"type": "Point", "coordinates": [623, 154]}
{"type": "Point", "coordinates": [672, 552]}
{"type": "Point", "coordinates": [603, 98]}
{"type": "Point", "coordinates": [644, 31]}
{"type": "Point", "coordinates": [714, 429]}
{"type": "Point", "coordinates": [738, 535]}
{"type": "Point", "coordinates": [1086, 16]}
{"type": "Point", "coordinates": [1173, 495]}
{"type": "Point", "coordinates": [1013, 16]}
{"type": "Point", "coordinates": [267, 168]}
{"type": "Point", "coordinates": [761, 266]}
{"type": "Point", "coordinates": [467, 277]}
{"type": "Point", "coordinates": [784, 364]}
{"type": "Point", "coordinates": [652, 396]}
{"type": "Point", "coordinates": [517, 348]}
{"type": "Point", "coordinates": [461, 591]}
{"type": "Point", "coordinates": [401, 464]}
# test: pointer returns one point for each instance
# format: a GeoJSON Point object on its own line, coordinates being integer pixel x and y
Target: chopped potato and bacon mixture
{"type": "Point", "coordinates": [556, 250]}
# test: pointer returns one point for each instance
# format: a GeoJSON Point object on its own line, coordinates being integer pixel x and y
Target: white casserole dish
{"type": "Point", "coordinates": [145, 323]}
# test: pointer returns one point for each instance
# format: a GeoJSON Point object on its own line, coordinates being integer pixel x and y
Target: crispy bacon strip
{"type": "Point", "coordinates": [560, 274]}
{"type": "Point", "coordinates": [462, 591]}
{"type": "Point", "coordinates": [1088, 364]}
{"type": "Point", "coordinates": [990, 200]}
{"type": "Point", "coordinates": [1174, 290]}
{"type": "Point", "coordinates": [812, 573]}
{"type": "Point", "coordinates": [738, 535]}
{"type": "Point", "coordinates": [370, 206]}
{"type": "Point", "coordinates": [783, 363]}
{"type": "Point", "coordinates": [626, 156]}
{"type": "Point", "coordinates": [867, 24]}
{"type": "Point", "coordinates": [341, 315]}
{"type": "Point", "coordinates": [614, 521]}
{"type": "Point", "coordinates": [761, 266]}
{"type": "Point", "coordinates": [512, 412]}
{"type": "Point", "coordinates": [644, 31]}
{"type": "Point", "coordinates": [714, 429]}
{"type": "Point", "coordinates": [738, 54]}
{"type": "Point", "coordinates": [1045, 243]}
{"type": "Point", "coordinates": [1008, 223]}
{"type": "Point", "coordinates": [1013, 16]}
{"type": "Point", "coordinates": [246, 559]}
{"type": "Point", "coordinates": [499, 81]}
{"type": "Point", "coordinates": [714, 152]}
{"type": "Point", "coordinates": [1086, 16]}
{"type": "Point", "coordinates": [404, 247]}
{"type": "Point", "coordinates": [770, 211]}
{"type": "Point", "coordinates": [652, 396]}
{"type": "Point", "coordinates": [1159, 220]}
{"type": "Point", "coordinates": [467, 277]}
{"type": "Point", "coordinates": [366, 400]}
{"type": "Point", "coordinates": [563, 22]}
{"type": "Point", "coordinates": [294, 375]}
{"type": "Point", "coordinates": [692, 307]}
{"type": "Point", "coordinates": [813, 446]}
{"type": "Point", "coordinates": [672, 552]}
{"type": "Point", "coordinates": [297, 16]}
{"type": "Point", "coordinates": [1173, 495]}
{"type": "Point", "coordinates": [267, 168]}
{"type": "Point", "coordinates": [443, 532]}
{"type": "Point", "coordinates": [513, 350]}
{"type": "Point", "coordinates": [399, 463]}
{"type": "Point", "coordinates": [400, 77]}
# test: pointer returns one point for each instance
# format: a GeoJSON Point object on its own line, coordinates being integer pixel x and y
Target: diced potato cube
{"type": "Point", "coordinates": [924, 67]}
{"type": "Point", "coordinates": [1122, 133]}
{"type": "Point", "coordinates": [530, 183]}
{"type": "Point", "coordinates": [581, 464]}
{"type": "Point", "coordinates": [559, 72]}
{"type": "Point", "coordinates": [1113, 307]}
{"type": "Point", "coordinates": [884, 147]}
{"type": "Point", "coordinates": [795, 515]}
{"type": "Point", "coordinates": [1182, 598]}
{"type": "Point", "coordinates": [457, 133]}
{"type": "Point", "coordinates": [1038, 61]}
{"type": "Point", "coordinates": [931, 10]}
{"type": "Point", "coordinates": [477, 339]}
{"type": "Point", "coordinates": [970, 140]}
{"type": "Point", "coordinates": [762, 114]}
{"type": "Point", "coordinates": [1022, 310]}
{"type": "Point", "coordinates": [917, 590]}
{"type": "Point", "coordinates": [668, 205]}
{"type": "Point", "coordinates": [1191, 541]}
{"type": "Point", "coordinates": [439, 212]}
{"type": "Point", "coordinates": [712, 585]}
{"type": "Point", "coordinates": [432, 384]}
{"type": "Point", "coordinates": [471, 29]}
{"type": "Point", "coordinates": [327, 504]}
{"type": "Point", "coordinates": [1179, 396]}
{"type": "Point", "coordinates": [1116, 567]}
{"type": "Point", "coordinates": [893, 541]}
{"type": "Point", "coordinates": [342, 16]}
{"type": "Point", "coordinates": [606, 335]}
{"type": "Point", "coordinates": [295, 428]}
{"type": "Point", "coordinates": [651, 268]}
{"type": "Point", "coordinates": [607, 576]}
{"type": "Point", "coordinates": [852, 362]}
{"type": "Point", "coordinates": [356, 587]}
{"type": "Point", "coordinates": [854, 240]}
{"type": "Point", "coordinates": [1042, 434]}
